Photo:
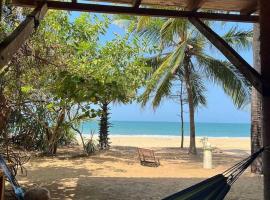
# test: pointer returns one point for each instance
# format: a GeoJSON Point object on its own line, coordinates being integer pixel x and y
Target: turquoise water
{"type": "Point", "coordinates": [171, 128]}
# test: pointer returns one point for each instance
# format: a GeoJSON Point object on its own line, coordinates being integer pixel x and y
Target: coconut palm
{"type": "Point", "coordinates": [182, 56]}
{"type": "Point", "coordinates": [256, 107]}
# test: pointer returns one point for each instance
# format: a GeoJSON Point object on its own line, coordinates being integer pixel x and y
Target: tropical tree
{"type": "Point", "coordinates": [72, 88]}
{"type": "Point", "coordinates": [183, 53]}
{"type": "Point", "coordinates": [119, 69]}
{"type": "Point", "coordinates": [41, 87]}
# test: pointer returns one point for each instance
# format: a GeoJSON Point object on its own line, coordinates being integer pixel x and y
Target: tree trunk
{"type": "Point", "coordinates": [81, 136]}
{"type": "Point", "coordinates": [56, 133]}
{"type": "Point", "coordinates": [256, 107]}
{"type": "Point", "coordinates": [192, 145]}
{"type": "Point", "coordinates": [4, 117]}
{"type": "Point", "coordinates": [182, 115]}
{"type": "Point", "coordinates": [104, 127]}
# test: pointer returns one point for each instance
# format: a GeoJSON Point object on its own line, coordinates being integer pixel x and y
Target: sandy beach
{"type": "Point", "coordinates": [117, 173]}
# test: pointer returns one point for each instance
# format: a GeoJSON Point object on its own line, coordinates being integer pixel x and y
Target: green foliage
{"type": "Point", "coordinates": [68, 137]}
{"type": "Point", "coordinates": [61, 72]}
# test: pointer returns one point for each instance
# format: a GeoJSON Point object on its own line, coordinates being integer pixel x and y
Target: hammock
{"type": "Point", "coordinates": [13, 182]}
{"type": "Point", "coordinates": [216, 187]}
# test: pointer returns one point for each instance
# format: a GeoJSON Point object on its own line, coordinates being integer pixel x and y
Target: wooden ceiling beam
{"type": "Point", "coordinates": [194, 5]}
{"type": "Point", "coordinates": [139, 11]}
{"type": "Point", "coordinates": [137, 3]}
{"type": "Point", "coordinates": [250, 8]}
{"type": "Point", "coordinates": [15, 40]}
{"type": "Point", "coordinates": [244, 68]}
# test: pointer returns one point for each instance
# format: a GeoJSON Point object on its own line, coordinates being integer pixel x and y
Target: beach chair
{"type": "Point", "coordinates": [147, 157]}
{"type": "Point", "coordinates": [11, 178]}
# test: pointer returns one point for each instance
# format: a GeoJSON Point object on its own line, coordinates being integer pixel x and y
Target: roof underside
{"type": "Point", "coordinates": [221, 5]}
{"type": "Point", "coordinates": [236, 10]}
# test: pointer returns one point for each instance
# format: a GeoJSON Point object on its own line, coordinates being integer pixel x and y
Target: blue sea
{"type": "Point", "coordinates": [143, 128]}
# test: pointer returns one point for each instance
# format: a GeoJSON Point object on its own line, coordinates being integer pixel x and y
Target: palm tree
{"type": "Point", "coordinates": [256, 107]}
{"type": "Point", "coordinates": [182, 53]}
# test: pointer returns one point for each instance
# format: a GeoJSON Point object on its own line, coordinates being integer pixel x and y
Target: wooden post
{"type": "Point", "coordinates": [265, 70]}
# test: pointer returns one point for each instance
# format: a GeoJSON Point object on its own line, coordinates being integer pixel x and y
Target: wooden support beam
{"type": "Point", "coordinates": [15, 40]}
{"type": "Point", "coordinates": [136, 3]}
{"type": "Point", "coordinates": [194, 5]}
{"type": "Point", "coordinates": [265, 71]}
{"type": "Point", "coordinates": [250, 8]}
{"type": "Point", "coordinates": [248, 72]}
{"type": "Point", "coordinates": [82, 7]}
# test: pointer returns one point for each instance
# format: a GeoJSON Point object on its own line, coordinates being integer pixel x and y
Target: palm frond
{"type": "Point", "coordinates": [168, 68]}
{"type": "Point", "coordinates": [198, 89]}
{"type": "Point", "coordinates": [225, 74]}
{"type": "Point", "coordinates": [239, 39]}
{"type": "Point", "coordinates": [163, 90]}
{"type": "Point", "coordinates": [173, 31]}
{"type": "Point", "coordinates": [151, 32]}
{"type": "Point", "coordinates": [143, 22]}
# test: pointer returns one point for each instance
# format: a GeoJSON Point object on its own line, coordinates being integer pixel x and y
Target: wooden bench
{"type": "Point", "coordinates": [147, 157]}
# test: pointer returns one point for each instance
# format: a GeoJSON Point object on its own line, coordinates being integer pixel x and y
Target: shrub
{"type": "Point", "coordinates": [92, 145]}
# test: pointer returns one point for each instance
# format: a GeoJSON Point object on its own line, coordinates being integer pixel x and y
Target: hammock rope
{"type": "Point", "coordinates": [237, 170]}
{"type": "Point", "coordinates": [216, 187]}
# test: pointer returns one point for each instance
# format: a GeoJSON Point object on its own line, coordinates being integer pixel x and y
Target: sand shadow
{"type": "Point", "coordinates": [101, 188]}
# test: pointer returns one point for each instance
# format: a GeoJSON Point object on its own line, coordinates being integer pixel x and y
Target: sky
{"type": "Point", "coordinates": [219, 109]}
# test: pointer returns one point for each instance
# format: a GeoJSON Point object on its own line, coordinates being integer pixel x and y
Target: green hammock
{"type": "Point", "coordinates": [216, 187]}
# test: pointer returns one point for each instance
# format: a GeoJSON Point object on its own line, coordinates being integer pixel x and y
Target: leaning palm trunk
{"type": "Point", "coordinates": [256, 108]}
{"type": "Point", "coordinates": [192, 145]}
{"type": "Point", "coordinates": [256, 129]}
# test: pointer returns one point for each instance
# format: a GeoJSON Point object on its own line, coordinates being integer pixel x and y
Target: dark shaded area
{"type": "Point", "coordinates": [100, 188]}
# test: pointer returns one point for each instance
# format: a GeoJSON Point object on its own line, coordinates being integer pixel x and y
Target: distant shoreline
{"type": "Point", "coordinates": [167, 136]}
{"type": "Point", "coordinates": [197, 122]}
{"type": "Point", "coordinates": [174, 136]}
{"type": "Point", "coordinates": [170, 129]}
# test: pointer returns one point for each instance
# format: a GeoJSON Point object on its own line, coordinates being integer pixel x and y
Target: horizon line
{"type": "Point", "coordinates": [176, 121]}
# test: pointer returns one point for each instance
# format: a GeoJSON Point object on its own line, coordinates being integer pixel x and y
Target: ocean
{"type": "Point", "coordinates": [144, 128]}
